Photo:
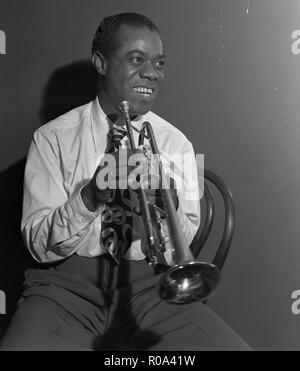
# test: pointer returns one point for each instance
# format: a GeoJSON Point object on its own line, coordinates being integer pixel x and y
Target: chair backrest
{"type": "Point", "coordinates": [211, 178]}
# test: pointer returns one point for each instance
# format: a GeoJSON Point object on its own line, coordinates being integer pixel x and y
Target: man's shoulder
{"type": "Point", "coordinates": [162, 126]}
{"type": "Point", "coordinates": [158, 121]}
{"type": "Point", "coordinates": [66, 122]}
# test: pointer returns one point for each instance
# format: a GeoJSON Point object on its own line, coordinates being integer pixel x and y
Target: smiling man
{"type": "Point", "coordinates": [94, 289]}
{"type": "Point", "coordinates": [133, 70]}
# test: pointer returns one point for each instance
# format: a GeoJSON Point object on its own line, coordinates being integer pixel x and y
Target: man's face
{"type": "Point", "coordinates": [135, 70]}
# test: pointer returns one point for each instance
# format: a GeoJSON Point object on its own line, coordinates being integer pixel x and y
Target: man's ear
{"type": "Point", "coordinates": [99, 62]}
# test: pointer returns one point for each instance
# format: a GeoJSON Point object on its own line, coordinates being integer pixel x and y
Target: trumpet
{"type": "Point", "coordinates": [187, 279]}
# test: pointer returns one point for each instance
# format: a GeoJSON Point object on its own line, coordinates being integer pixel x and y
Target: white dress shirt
{"type": "Point", "coordinates": [62, 158]}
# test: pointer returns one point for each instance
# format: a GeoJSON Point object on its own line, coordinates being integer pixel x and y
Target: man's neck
{"type": "Point", "coordinates": [113, 115]}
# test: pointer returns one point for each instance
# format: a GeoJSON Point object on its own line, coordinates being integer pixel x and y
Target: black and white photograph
{"type": "Point", "coordinates": [149, 178]}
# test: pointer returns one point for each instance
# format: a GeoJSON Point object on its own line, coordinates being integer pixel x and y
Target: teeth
{"type": "Point", "coordinates": [143, 90]}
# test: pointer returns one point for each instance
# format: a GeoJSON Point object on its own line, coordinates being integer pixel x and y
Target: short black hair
{"type": "Point", "coordinates": [105, 40]}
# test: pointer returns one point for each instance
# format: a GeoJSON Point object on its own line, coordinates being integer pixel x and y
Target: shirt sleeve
{"type": "Point", "coordinates": [54, 225]}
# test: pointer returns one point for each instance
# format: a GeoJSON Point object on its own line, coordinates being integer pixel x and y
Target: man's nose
{"type": "Point", "coordinates": [149, 72]}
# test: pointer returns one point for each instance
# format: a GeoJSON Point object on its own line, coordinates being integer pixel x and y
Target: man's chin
{"type": "Point", "coordinates": [139, 109]}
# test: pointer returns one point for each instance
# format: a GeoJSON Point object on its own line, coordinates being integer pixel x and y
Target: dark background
{"type": "Point", "coordinates": [232, 86]}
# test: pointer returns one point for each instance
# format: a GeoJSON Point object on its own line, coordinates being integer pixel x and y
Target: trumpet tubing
{"type": "Point", "coordinates": [186, 280]}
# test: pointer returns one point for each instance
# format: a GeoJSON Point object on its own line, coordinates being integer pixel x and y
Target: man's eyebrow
{"type": "Point", "coordinates": [142, 52]}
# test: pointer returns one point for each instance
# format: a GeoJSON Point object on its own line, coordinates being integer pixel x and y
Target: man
{"type": "Point", "coordinates": [96, 290]}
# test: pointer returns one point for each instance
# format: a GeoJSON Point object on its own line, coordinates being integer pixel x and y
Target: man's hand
{"type": "Point", "coordinates": [92, 197]}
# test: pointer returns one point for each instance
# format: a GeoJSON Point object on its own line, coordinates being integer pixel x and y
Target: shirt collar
{"type": "Point", "coordinates": [101, 125]}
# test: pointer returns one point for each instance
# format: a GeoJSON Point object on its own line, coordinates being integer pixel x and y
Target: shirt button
{"type": "Point", "coordinates": [83, 219]}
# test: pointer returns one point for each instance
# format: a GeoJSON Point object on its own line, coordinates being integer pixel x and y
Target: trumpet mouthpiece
{"type": "Point", "coordinates": [124, 106]}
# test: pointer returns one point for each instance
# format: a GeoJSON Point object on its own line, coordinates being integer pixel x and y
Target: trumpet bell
{"type": "Point", "coordinates": [188, 282]}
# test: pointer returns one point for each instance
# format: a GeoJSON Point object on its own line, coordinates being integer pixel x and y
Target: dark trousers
{"type": "Point", "coordinates": [93, 304]}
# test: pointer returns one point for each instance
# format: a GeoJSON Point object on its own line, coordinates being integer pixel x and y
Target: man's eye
{"type": "Point", "coordinates": [136, 60]}
{"type": "Point", "coordinates": [160, 64]}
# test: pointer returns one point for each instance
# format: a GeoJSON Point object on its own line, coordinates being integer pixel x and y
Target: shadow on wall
{"type": "Point", "coordinates": [68, 87]}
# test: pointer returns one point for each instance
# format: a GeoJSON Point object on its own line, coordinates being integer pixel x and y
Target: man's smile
{"type": "Point", "coordinates": [143, 91]}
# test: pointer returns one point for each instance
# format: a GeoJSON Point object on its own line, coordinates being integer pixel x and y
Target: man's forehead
{"type": "Point", "coordinates": [139, 38]}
